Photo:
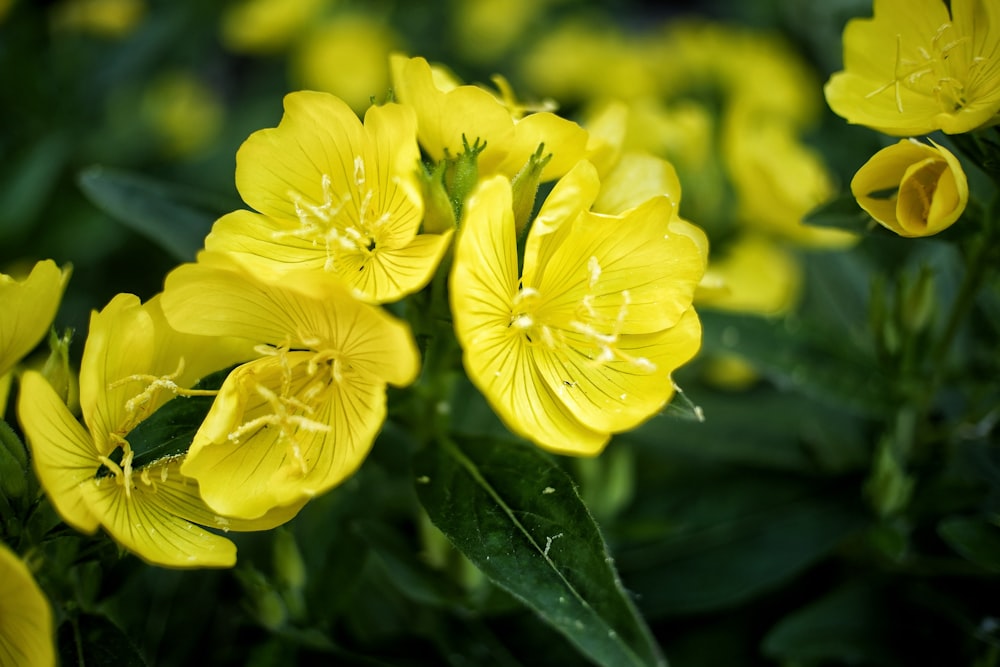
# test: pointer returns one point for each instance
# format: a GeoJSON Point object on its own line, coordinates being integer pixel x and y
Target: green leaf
{"type": "Point", "coordinates": [974, 538]}
{"type": "Point", "coordinates": [13, 464]}
{"type": "Point", "coordinates": [705, 538]}
{"type": "Point", "coordinates": [175, 219]}
{"type": "Point", "coordinates": [517, 516]}
{"type": "Point", "coordinates": [848, 626]}
{"type": "Point", "coordinates": [842, 212]}
{"type": "Point", "coordinates": [763, 427]}
{"type": "Point", "coordinates": [795, 355]}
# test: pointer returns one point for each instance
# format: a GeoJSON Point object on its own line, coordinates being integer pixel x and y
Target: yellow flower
{"type": "Point", "coordinates": [450, 115]}
{"type": "Point", "coordinates": [348, 57]}
{"type": "Point", "coordinates": [133, 363]}
{"type": "Point", "coordinates": [912, 188]}
{"type": "Point", "coordinates": [25, 617]}
{"type": "Point", "coordinates": [267, 26]}
{"type": "Point", "coordinates": [777, 180]}
{"type": "Point", "coordinates": [334, 198]}
{"type": "Point", "coordinates": [109, 18]}
{"type": "Point", "coordinates": [184, 111]}
{"type": "Point", "coordinates": [29, 307]}
{"type": "Point", "coordinates": [301, 418]}
{"type": "Point", "coordinates": [582, 345]}
{"type": "Point", "coordinates": [755, 275]}
{"type": "Point", "coordinates": [913, 68]}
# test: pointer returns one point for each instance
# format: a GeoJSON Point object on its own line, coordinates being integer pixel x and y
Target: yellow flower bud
{"type": "Point", "coordinates": [912, 188]}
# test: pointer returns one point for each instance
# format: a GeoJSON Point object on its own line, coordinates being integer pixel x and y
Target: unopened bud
{"type": "Point", "coordinates": [439, 213]}
{"type": "Point", "coordinates": [525, 187]}
{"type": "Point", "coordinates": [58, 372]}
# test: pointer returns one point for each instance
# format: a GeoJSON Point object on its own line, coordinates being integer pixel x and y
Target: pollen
{"type": "Point", "coordinates": [344, 223]}
{"type": "Point", "coordinates": [930, 72]}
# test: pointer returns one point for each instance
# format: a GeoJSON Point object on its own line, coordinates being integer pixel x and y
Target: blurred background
{"type": "Point", "coordinates": [749, 539]}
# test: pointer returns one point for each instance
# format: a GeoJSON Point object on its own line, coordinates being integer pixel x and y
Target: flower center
{"type": "Point", "coordinates": [932, 71]}
{"type": "Point", "coordinates": [591, 329]}
{"type": "Point", "coordinates": [288, 395]}
{"type": "Point", "coordinates": [344, 223]}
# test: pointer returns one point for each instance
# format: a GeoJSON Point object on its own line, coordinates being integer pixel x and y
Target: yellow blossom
{"type": "Point", "coordinates": [777, 179]}
{"type": "Point", "coordinates": [267, 26]}
{"type": "Point", "coordinates": [301, 418]}
{"type": "Point", "coordinates": [583, 343]}
{"type": "Point", "coordinates": [915, 67]}
{"type": "Point", "coordinates": [110, 18]}
{"type": "Point", "coordinates": [184, 111]}
{"type": "Point", "coordinates": [26, 636]}
{"type": "Point", "coordinates": [912, 188]}
{"type": "Point", "coordinates": [133, 363]}
{"type": "Point", "coordinates": [347, 56]}
{"type": "Point", "coordinates": [450, 116]}
{"type": "Point", "coordinates": [335, 198]}
{"type": "Point", "coordinates": [755, 275]}
{"type": "Point", "coordinates": [29, 307]}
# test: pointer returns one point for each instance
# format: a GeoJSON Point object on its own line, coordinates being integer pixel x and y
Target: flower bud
{"type": "Point", "coordinates": [912, 189]}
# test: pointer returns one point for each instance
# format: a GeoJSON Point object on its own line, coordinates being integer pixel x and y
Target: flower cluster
{"type": "Point", "coordinates": [571, 320]}
{"type": "Point", "coordinates": [912, 69]}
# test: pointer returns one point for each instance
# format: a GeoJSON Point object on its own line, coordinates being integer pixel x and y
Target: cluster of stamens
{"type": "Point", "coordinates": [932, 73]}
{"type": "Point", "coordinates": [334, 225]}
{"type": "Point", "coordinates": [291, 411]}
{"type": "Point", "coordinates": [588, 322]}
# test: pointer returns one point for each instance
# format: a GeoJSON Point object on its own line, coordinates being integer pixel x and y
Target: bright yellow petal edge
{"type": "Point", "coordinates": [29, 306]}
{"type": "Point", "coordinates": [26, 633]}
{"type": "Point", "coordinates": [552, 352]}
{"type": "Point", "coordinates": [151, 510]}
{"type": "Point", "coordinates": [300, 419]}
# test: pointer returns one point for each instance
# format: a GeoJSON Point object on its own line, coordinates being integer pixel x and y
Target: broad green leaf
{"type": "Point", "coordinates": [13, 463]}
{"type": "Point", "coordinates": [176, 220]}
{"type": "Point", "coordinates": [843, 212]}
{"type": "Point", "coordinates": [708, 538]}
{"type": "Point", "coordinates": [517, 516]}
{"type": "Point", "coordinates": [818, 364]}
{"type": "Point", "coordinates": [763, 427]}
{"type": "Point", "coordinates": [848, 626]}
{"type": "Point", "coordinates": [974, 538]}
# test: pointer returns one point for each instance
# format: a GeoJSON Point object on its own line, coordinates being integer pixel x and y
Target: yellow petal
{"type": "Point", "coordinates": [618, 394]}
{"type": "Point", "coordinates": [278, 435]}
{"type": "Point", "coordinates": [274, 251]}
{"type": "Point", "coordinates": [912, 188]}
{"type": "Point", "coordinates": [508, 374]}
{"type": "Point", "coordinates": [572, 194]}
{"type": "Point", "coordinates": [219, 297]}
{"type": "Point", "coordinates": [26, 634]}
{"type": "Point", "coordinates": [914, 68]}
{"type": "Point", "coordinates": [444, 116]}
{"type": "Point", "coordinates": [29, 308]}
{"type": "Point", "coordinates": [562, 138]}
{"type": "Point", "coordinates": [635, 178]}
{"type": "Point", "coordinates": [318, 136]}
{"type": "Point", "coordinates": [63, 453]}
{"type": "Point", "coordinates": [483, 284]}
{"type": "Point", "coordinates": [757, 276]}
{"type": "Point", "coordinates": [143, 520]}
{"type": "Point", "coordinates": [130, 344]}
{"type": "Point", "coordinates": [630, 272]}
{"type": "Point", "coordinates": [484, 273]}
